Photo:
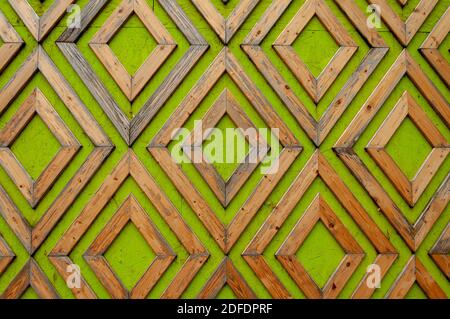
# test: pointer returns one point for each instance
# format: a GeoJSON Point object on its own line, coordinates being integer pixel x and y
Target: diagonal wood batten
{"type": "Point", "coordinates": [240, 60]}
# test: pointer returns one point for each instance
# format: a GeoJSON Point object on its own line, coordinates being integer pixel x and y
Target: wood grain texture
{"type": "Point", "coordinates": [415, 271]}
{"type": "Point", "coordinates": [316, 167]}
{"type": "Point", "coordinates": [132, 85]}
{"type": "Point", "coordinates": [315, 87]}
{"type": "Point", "coordinates": [130, 166]}
{"type": "Point", "coordinates": [36, 105]}
{"type": "Point", "coordinates": [131, 129]}
{"type": "Point", "coordinates": [130, 211]}
{"type": "Point", "coordinates": [225, 190]}
{"type": "Point", "coordinates": [32, 276]}
{"type": "Point", "coordinates": [223, 63]}
{"type": "Point", "coordinates": [225, 28]}
{"type": "Point", "coordinates": [226, 274]}
{"type": "Point", "coordinates": [440, 251]}
{"type": "Point", "coordinates": [411, 190]}
{"type": "Point", "coordinates": [32, 237]}
{"type": "Point", "coordinates": [241, 56]}
{"type": "Point", "coordinates": [413, 235]}
{"type": "Point", "coordinates": [12, 42]}
{"type": "Point", "coordinates": [6, 255]}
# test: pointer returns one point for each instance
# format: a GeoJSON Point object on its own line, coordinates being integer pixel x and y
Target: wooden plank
{"type": "Point", "coordinates": [131, 129]}
{"type": "Point", "coordinates": [316, 167]}
{"type": "Point", "coordinates": [413, 235]}
{"type": "Point", "coordinates": [130, 166]}
{"type": "Point", "coordinates": [405, 31]}
{"type": "Point", "coordinates": [39, 27]}
{"type": "Point", "coordinates": [226, 273]}
{"type": "Point", "coordinates": [32, 276]}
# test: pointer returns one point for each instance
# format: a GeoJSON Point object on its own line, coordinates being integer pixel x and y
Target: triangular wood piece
{"type": "Point", "coordinates": [32, 276]}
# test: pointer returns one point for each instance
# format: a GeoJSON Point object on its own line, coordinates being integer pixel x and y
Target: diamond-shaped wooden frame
{"type": "Point", "coordinates": [405, 31]}
{"type": "Point", "coordinates": [413, 235]}
{"type": "Point", "coordinates": [316, 130]}
{"type": "Point", "coordinates": [32, 237]}
{"type": "Point", "coordinates": [32, 276]}
{"type": "Point", "coordinates": [225, 28]}
{"type": "Point", "coordinates": [131, 129]}
{"type": "Point", "coordinates": [130, 166]}
{"type": "Point", "coordinates": [225, 235]}
{"type": "Point", "coordinates": [430, 48]}
{"type": "Point", "coordinates": [316, 87]}
{"type": "Point", "coordinates": [226, 274]}
{"type": "Point", "coordinates": [316, 167]}
{"type": "Point", "coordinates": [225, 190]}
{"type": "Point", "coordinates": [415, 271]}
{"type": "Point", "coordinates": [6, 255]}
{"type": "Point", "coordinates": [36, 105]}
{"type": "Point", "coordinates": [317, 211]}
{"type": "Point", "coordinates": [12, 42]}
{"type": "Point", "coordinates": [132, 85]}
{"type": "Point", "coordinates": [130, 211]}
{"type": "Point", "coordinates": [39, 27]}
{"type": "Point", "coordinates": [411, 190]}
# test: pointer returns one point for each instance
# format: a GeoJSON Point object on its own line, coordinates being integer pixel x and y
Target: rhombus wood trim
{"type": "Point", "coordinates": [32, 237]}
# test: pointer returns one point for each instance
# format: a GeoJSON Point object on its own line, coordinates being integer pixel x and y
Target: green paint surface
{"type": "Point", "coordinates": [416, 292]}
{"type": "Point", "coordinates": [320, 254]}
{"type": "Point", "coordinates": [132, 44]}
{"type": "Point", "coordinates": [36, 138]}
{"type": "Point", "coordinates": [130, 254]}
{"type": "Point", "coordinates": [226, 293]}
{"type": "Point", "coordinates": [223, 149]}
{"type": "Point", "coordinates": [315, 46]}
{"type": "Point", "coordinates": [41, 6]}
{"type": "Point", "coordinates": [411, 158]}
{"type": "Point", "coordinates": [29, 294]}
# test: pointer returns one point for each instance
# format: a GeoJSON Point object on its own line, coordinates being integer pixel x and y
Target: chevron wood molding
{"type": "Point", "coordinates": [405, 30]}
{"type": "Point", "coordinates": [32, 237]}
{"type": "Point", "coordinates": [316, 167]}
{"type": "Point", "coordinates": [412, 234]}
{"type": "Point", "coordinates": [430, 48]}
{"type": "Point", "coordinates": [225, 27]}
{"type": "Point", "coordinates": [225, 235]}
{"type": "Point", "coordinates": [32, 276]}
{"type": "Point", "coordinates": [38, 26]}
{"type": "Point", "coordinates": [6, 255]}
{"type": "Point", "coordinates": [440, 252]}
{"type": "Point", "coordinates": [226, 274]}
{"type": "Point", "coordinates": [415, 271]}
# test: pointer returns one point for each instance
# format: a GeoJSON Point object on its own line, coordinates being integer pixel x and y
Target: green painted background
{"type": "Point", "coordinates": [320, 253]}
